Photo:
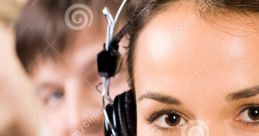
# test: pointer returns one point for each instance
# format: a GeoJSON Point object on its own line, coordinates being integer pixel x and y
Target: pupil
{"type": "Point", "coordinates": [173, 119]}
{"type": "Point", "coordinates": [58, 94]}
{"type": "Point", "coordinates": [254, 113]}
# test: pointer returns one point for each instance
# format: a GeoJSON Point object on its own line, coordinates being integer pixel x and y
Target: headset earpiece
{"type": "Point", "coordinates": [108, 61]}
{"type": "Point", "coordinates": [124, 107]}
{"type": "Point", "coordinates": [126, 112]}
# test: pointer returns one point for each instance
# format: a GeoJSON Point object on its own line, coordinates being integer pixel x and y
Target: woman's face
{"type": "Point", "coordinates": [197, 77]}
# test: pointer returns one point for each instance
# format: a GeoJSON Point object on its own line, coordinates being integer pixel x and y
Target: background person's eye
{"type": "Point", "coordinates": [51, 95]}
{"type": "Point", "coordinates": [167, 120]}
{"type": "Point", "coordinates": [249, 115]}
{"type": "Point", "coordinates": [55, 97]}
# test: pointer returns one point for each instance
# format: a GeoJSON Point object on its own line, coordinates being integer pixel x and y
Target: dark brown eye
{"type": "Point", "coordinates": [249, 115]}
{"type": "Point", "coordinates": [172, 119]}
{"type": "Point", "coordinates": [253, 113]}
{"type": "Point", "coordinates": [169, 120]}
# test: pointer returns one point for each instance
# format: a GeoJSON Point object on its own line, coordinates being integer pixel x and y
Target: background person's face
{"type": "Point", "coordinates": [197, 70]}
{"type": "Point", "coordinates": [67, 88]}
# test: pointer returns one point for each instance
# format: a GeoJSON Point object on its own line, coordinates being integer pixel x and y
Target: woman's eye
{"type": "Point", "coordinates": [169, 120]}
{"type": "Point", "coordinates": [249, 115]}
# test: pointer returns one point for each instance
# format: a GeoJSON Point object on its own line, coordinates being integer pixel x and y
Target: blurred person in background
{"type": "Point", "coordinates": [19, 113]}
{"type": "Point", "coordinates": [61, 60]}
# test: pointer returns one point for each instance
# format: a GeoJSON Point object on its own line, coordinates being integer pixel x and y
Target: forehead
{"type": "Point", "coordinates": [78, 58]}
{"type": "Point", "coordinates": [83, 45]}
{"type": "Point", "coordinates": [183, 50]}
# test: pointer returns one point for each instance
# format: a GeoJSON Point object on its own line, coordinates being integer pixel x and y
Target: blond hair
{"type": "Point", "coordinates": [9, 10]}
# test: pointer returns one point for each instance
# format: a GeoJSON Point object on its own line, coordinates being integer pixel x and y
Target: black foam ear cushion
{"type": "Point", "coordinates": [126, 113]}
{"type": "Point", "coordinates": [131, 114]}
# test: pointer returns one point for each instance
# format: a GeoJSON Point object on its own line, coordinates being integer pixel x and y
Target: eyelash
{"type": "Point", "coordinates": [247, 107]}
{"type": "Point", "coordinates": [249, 124]}
{"type": "Point", "coordinates": [156, 115]}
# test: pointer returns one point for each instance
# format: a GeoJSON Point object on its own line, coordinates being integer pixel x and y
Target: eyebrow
{"type": "Point", "coordinates": [243, 94]}
{"type": "Point", "coordinates": [160, 98]}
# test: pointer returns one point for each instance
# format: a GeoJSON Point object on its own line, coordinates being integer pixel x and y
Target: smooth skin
{"type": "Point", "coordinates": [204, 70]}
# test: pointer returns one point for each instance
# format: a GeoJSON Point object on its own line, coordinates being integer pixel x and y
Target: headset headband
{"type": "Point", "coordinates": [108, 60]}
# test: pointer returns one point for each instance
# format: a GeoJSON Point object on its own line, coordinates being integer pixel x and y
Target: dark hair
{"type": "Point", "coordinates": [149, 8]}
{"type": "Point", "coordinates": [42, 23]}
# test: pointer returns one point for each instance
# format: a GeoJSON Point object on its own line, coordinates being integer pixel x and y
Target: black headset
{"type": "Point", "coordinates": [120, 114]}
{"type": "Point", "coordinates": [123, 113]}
